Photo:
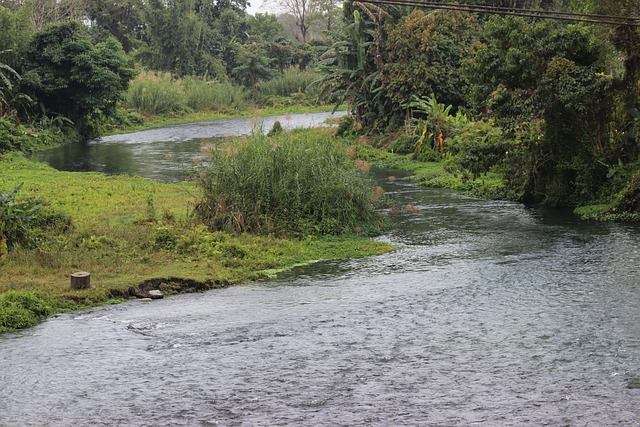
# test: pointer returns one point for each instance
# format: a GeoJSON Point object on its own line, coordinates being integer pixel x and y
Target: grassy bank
{"type": "Point", "coordinates": [128, 231]}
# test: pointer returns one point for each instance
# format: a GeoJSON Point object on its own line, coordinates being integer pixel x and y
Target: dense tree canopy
{"type": "Point", "coordinates": [76, 78]}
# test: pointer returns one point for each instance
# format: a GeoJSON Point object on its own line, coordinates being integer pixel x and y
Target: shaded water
{"type": "Point", "coordinates": [489, 313]}
{"type": "Point", "coordinates": [164, 154]}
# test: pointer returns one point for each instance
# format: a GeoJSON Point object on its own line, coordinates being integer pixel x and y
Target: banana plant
{"type": "Point", "coordinates": [353, 69]}
{"type": "Point", "coordinates": [7, 76]}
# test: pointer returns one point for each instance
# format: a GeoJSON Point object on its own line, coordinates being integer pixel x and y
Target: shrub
{"type": "Point", "coordinates": [477, 147]}
{"type": "Point", "coordinates": [157, 93]}
{"type": "Point", "coordinates": [296, 184]}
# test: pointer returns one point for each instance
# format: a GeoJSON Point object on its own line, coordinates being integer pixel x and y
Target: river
{"type": "Point", "coordinates": [489, 313]}
{"type": "Point", "coordinates": [165, 154]}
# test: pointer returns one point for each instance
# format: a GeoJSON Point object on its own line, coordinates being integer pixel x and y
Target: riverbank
{"type": "Point", "coordinates": [127, 231]}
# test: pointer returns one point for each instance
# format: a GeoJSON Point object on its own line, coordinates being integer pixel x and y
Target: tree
{"type": "Point", "coordinates": [325, 14]}
{"type": "Point", "coordinates": [77, 79]}
{"type": "Point", "coordinates": [555, 73]}
{"type": "Point", "coordinates": [301, 11]}
{"type": "Point", "coordinates": [43, 12]}
{"type": "Point", "coordinates": [253, 66]}
{"type": "Point", "coordinates": [8, 77]}
{"type": "Point", "coordinates": [354, 66]}
{"type": "Point", "coordinates": [265, 27]}
{"type": "Point", "coordinates": [122, 19]}
{"type": "Point", "coordinates": [425, 53]}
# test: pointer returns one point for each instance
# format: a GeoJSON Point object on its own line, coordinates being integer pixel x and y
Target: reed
{"type": "Point", "coordinates": [294, 86]}
{"type": "Point", "coordinates": [159, 93]}
{"type": "Point", "coordinates": [156, 93]}
{"type": "Point", "coordinates": [203, 95]}
{"type": "Point", "coordinates": [294, 184]}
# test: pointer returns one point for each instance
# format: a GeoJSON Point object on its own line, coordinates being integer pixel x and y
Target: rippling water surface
{"type": "Point", "coordinates": [489, 313]}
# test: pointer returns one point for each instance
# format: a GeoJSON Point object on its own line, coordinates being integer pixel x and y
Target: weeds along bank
{"type": "Point", "coordinates": [128, 230]}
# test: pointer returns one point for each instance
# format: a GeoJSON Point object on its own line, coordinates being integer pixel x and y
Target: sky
{"type": "Point", "coordinates": [262, 6]}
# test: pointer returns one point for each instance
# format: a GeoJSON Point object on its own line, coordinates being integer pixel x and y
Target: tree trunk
{"type": "Point", "coordinates": [80, 280]}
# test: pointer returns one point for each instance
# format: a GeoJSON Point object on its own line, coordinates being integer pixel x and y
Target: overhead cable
{"type": "Point", "coordinates": [616, 20]}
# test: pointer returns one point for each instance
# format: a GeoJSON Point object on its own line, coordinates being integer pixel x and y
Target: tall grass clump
{"type": "Point", "coordinates": [295, 84]}
{"type": "Point", "coordinates": [156, 93]}
{"type": "Point", "coordinates": [211, 95]}
{"type": "Point", "coordinates": [159, 93]}
{"type": "Point", "coordinates": [293, 184]}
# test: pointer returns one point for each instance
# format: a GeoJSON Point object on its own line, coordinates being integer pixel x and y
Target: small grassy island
{"type": "Point", "coordinates": [208, 233]}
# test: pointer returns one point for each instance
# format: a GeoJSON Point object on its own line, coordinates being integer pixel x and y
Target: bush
{"type": "Point", "coordinates": [158, 93]}
{"type": "Point", "coordinates": [292, 88]}
{"type": "Point", "coordinates": [477, 147]}
{"type": "Point", "coordinates": [203, 95]}
{"type": "Point", "coordinates": [298, 184]}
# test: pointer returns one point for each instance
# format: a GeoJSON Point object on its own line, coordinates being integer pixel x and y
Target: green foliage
{"type": "Point", "coordinates": [252, 66]}
{"type": "Point", "coordinates": [265, 27]}
{"type": "Point", "coordinates": [208, 95]}
{"type": "Point", "coordinates": [628, 200]}
{"type": "Point", "coordinates": [22, 220]}
{"type": "Point", "coordinates": [293, 87]}
{"type": "Point", "coordinates": [77, 79]}
{"type": "Point", "coordinates": [154, 93]}
{"type": "Point", "coordinates": [551, 71]}
{"type": "Point", "coordinates": [17, 217]}
{"type": "Point", "coordinates": [23, 309]}
{"type": "Point", "coordinates": [425, 55]}
{"type": "Point", "coordinates": [294, 184]}
{"type": "Point", "coordinates": [477, 147]}
{"type": "Point", "coordinates": [353, 68]}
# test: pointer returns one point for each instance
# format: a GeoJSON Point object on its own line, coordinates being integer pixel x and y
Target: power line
{"type": "Point", "coordinates": [514, 11]}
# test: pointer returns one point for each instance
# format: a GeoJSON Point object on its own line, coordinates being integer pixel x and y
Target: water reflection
{"type": "Point", "coordinates": [164, 154]}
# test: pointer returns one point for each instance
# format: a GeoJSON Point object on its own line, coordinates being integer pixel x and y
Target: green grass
{"type": "Point", "coordinates": [295, 184]}
{"type": "Point", "coordinates": [128, 230]}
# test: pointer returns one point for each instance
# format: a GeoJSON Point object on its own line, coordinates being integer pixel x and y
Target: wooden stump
{"type": "Point", "coordinates": [80, 280]}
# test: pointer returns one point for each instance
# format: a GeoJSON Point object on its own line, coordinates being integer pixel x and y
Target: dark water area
{"type": "Point", "coordinates": [489, 313]}
{"type": "Point", "coordinates": [165, 154]}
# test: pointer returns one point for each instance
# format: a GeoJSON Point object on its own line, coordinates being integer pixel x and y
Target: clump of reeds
{"type": "Point", "coordinates": [294, 184]}
{"type": "Point", "coordinates": [159, 93]}
{"type": "Point", "coordinates": [204, 95]}
{"type": "Point", "coordinates": [156, 93]}
{"type": "Point", "coordinates": [292, 81]}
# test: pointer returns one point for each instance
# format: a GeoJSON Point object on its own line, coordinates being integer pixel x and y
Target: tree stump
{"type": "Point", "coordinates": [80, 280]}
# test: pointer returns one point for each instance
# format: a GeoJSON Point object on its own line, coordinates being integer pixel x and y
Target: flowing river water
{"type": "Point", "coordinates": [489, 313]}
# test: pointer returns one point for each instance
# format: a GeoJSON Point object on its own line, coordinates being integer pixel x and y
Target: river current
{"type": "Point", "coordinates": [488, 313]}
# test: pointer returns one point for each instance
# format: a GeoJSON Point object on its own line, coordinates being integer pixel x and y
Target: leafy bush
{"type": "Point", "coordinates": [17, 137]}
{"type": "Point", "coordinates": [297, 184]}
{"type": "Point", "coordinates": [477, 147]}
